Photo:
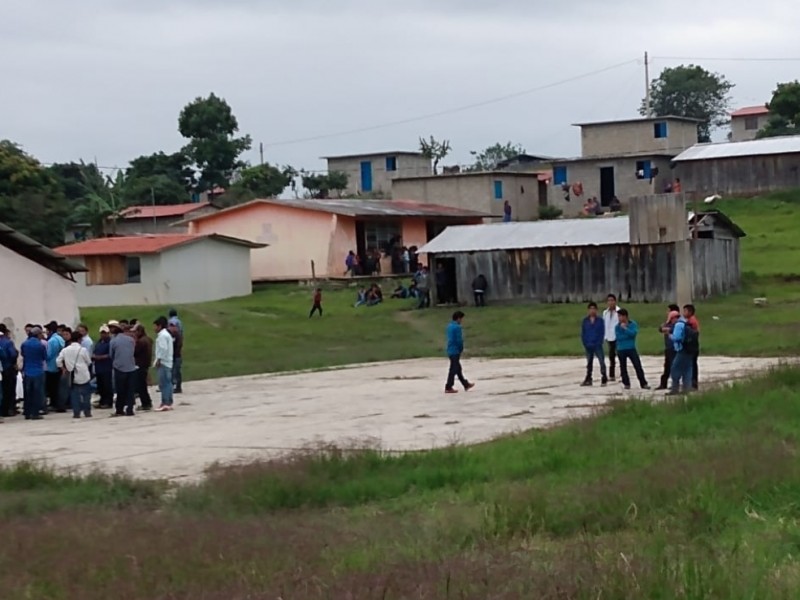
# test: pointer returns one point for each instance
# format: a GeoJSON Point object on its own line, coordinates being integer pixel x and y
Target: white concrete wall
{"type": "Point", "coordinates": [129, 294]}
{"type": "Point", "coordinates": [31, 293]}
{"type": "Point", "coordinates": [739, 131]}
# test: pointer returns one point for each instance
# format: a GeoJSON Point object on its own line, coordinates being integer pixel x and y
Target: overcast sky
{"type": "Point", "coordinates": [106, 79]}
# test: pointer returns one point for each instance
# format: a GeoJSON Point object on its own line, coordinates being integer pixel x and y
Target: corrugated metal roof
{"type": "Point", "coordinates": [751, 111]}
{"type": "Point", "coordinates": [532, 234]}
{"type": "Point", "coordinates": [788, 144]}
{"type": "Point", "coordinates": [638, 120]}
{"type": "Point", "coordinates": [161, 211]}
{"type": "Point", "coordinates": [37, 252]}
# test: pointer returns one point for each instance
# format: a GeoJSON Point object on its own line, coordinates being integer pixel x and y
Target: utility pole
{"type": "Point", "coordinates": [261, 151]}
{"type": "Point", "coordinates": [647, 106]}
{"type": "Point", "coordinates": [153, 200]}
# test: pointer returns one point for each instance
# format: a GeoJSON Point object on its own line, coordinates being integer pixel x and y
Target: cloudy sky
{"type": "Point", "coordinates": [106, 79]}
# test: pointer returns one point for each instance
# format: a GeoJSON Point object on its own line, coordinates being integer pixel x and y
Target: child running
{"type": "Point", "coordinates": [317, 303]}
{"type": "Point", "coordinates": [455, 346]}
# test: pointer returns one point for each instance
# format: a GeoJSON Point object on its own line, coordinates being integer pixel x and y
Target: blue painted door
{"type": "Point", "coordinates": [366, 176]}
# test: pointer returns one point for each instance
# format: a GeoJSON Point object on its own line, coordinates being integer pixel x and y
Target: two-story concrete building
{"type": "Point", "coordinates": [374, 173]}
{"type": "Point", "coordinates": [747, 122]}
{"type": "Point", "coordinates": [620, 159]}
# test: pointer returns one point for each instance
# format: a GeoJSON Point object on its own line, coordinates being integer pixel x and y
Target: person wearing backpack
{"type": "Point", "coordinates": [685, 343]}
{"type": "Point", "coordinates": [691, 318]}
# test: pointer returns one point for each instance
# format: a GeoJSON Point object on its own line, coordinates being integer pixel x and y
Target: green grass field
{"type": "Point", "coordinates": [693, 499]}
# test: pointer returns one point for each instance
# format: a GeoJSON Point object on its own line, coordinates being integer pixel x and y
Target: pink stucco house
{"type": "Point", "coordinates": [299, 232]}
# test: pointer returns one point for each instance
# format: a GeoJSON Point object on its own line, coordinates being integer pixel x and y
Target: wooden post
{"type": "Point", "coordinates": [313, 272]}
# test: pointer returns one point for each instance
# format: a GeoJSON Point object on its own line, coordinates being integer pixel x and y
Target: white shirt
{"type": "Point", "coordinates": [75, 358]}
{"type": "Point", "coordinates": [611, 319]}
{"type": "Point", "coordinates": [164, 349]}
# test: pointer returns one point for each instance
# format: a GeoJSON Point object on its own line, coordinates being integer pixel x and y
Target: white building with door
{"type": "Point", "coordinates": [373, 173]}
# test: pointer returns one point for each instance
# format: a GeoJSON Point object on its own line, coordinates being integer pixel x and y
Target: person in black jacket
{"type": "Point", "coordinates": [479, 285]}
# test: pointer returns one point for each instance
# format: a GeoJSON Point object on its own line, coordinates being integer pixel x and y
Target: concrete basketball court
{"type": "Point", "coordinates": [397, 406]}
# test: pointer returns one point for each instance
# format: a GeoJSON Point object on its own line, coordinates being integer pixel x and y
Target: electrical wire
{"type": "Point", "coordinates": [729, 59]}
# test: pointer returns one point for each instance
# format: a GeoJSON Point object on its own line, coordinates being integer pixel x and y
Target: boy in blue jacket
{"type": "Point", "coordinates": [455, 346]}
{"type": "Point", "coordinates": [593, 331]}
{"type": "Point", "coordinates": [627, 331]}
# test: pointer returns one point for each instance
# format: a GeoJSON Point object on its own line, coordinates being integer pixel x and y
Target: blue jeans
{"type": "Point", "coordinates": [682, 371]}
{"type": "Point", "coordinates": [177, 374]}
{"type": "Point", "coordinates": [33, 403]}
{"type": "Point", "coordinates": [590, 354]}
{"type": "Point", "coordinates": [165, 376]}
{"type": "Point", "coordinates": [80, 396]}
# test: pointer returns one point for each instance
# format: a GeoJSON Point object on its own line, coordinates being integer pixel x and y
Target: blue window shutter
{"type": "Point", "coordinates": [391, 163]}
{"type": "Point", "coordinates": [498, 190]}
{"type": "Point", "coordinates": [559, 175]}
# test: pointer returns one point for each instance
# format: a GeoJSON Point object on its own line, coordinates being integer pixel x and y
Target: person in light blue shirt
{"type": "Point", "coordinates": [455, 347]}
{"type": "Point", "coordinates": [682, 363]}
{"type": "Point", "coordinates": [626, 331]}
{"type": "Point", "coordinates": [52, 378]}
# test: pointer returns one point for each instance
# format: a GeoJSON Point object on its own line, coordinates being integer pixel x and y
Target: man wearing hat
{"type": "Point", "coordinates": [121, 351]}
{"type": "Point", "coordinates": [103, 369]}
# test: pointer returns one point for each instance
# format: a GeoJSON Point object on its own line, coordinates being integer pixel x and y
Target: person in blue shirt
{"type": "Point", "coordinates": [55, 344]}
{"type": "Point", "coordinates": [593, 332]}
{"type": "Point", "coordinates": [455, 347]}
{"type": "Point", "coordinates": [103, 371]}
{"type": "Point", "coordinates": [34, 355]}
{"type": "Point", "coordinates": [682, 363]}
{"type": "Point", "coordinates": [8, 366]}
{"type": "Point", "coordinates": [626, 331]}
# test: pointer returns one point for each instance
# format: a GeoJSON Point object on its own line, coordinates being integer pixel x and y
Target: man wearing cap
{"type": "Point", "coordinates": [103, 369]}
{"type": "Point", "coordinates": [121, 351]}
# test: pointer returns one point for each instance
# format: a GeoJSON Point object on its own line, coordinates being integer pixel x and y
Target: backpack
{"type": "Point", "coordinates": [691, 340]}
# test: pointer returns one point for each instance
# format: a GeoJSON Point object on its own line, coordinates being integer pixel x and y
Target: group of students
{"type": "Point", "coordinates": [618, 331]}
{"type": "Point", "coordinates": [59, 367]}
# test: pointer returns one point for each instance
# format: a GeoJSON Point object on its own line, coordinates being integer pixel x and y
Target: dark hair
{"type": "Point", "coordinates": [622, 312]}
{"type": "Point", "coordinates": [77, 336]}
{"type": "Point", "coordinates": [173, 312]}
{"type": "Point", "coordinates": [592, 305]}
{"type": "Point", "coordinates": [29, 325]}
{"type": "Point", "coordinates": [133, 322]}
{"type": "Point", "coordinates": [610, 296]}
{"type": "Point", "coordinates": [82, 325]}
{"type": "Point", "coordinates": [161, 322]}
{"type": "Point", "coordinates": [124, 322]}
{"type": "Point", "coordinates": [3, 329]}
{"type": "Point", "coordinates": [458, 315]}
{"type": "Point", "coordinates": [674, 308]}
{"type": "Point", "coordinates": [690, 308]}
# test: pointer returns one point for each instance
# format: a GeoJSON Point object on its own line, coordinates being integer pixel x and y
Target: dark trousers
{"type": "Point", "coordinates": [52, 386]}
{"type": "Point", "coordinates": [125, 383]}
{"type": "Point", "coordinates": [633, 356]}
{"type": "Point", "coordinates": [590, 355]}
{"type": "Point", "coordinates": [315, 308]}
{"type": "Point", "coordinates": [669, 358]}
{"type": "Point", "coordinates": [694, 371]}
{"type": "Point", "coordinates": [612, 359]}
{"type": "Point", "coordinates": [177, 373]}
{"type": "Point", "coordinates": [9, 405]}
{"type": "Point", "coordinates": [33, 402]}
{"type": "Point", "coordinates": [105, 388]}
{"type": "Point", "coordinates": [480, 298]}
{"type": "Point", "coordinates": [441, 294]}
{"type": "Point", "coordinates": [455, 371]}
{"type": "Point", "coordinates": [141, 388]}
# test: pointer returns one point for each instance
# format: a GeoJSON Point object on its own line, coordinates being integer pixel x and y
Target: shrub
{"type": "Point", "coordinates": [547, 213]}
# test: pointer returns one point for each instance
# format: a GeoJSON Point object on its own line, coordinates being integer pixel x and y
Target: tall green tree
{"type": "Point", "coordinates": [488, 159]}
{"type": "Point", "coordinates": [691, 91]}
{"type": "Point", "coordinates": [260, 181]}
{"type": "Point", "coordinates": [31, 197]}
{"type": "Point", "coordinates": [159, 178]}
{"type": "Point", "coordinates": [434, 150]}
{"type": "Point", "coordinates": [72, 177]}
{"type": "Point", "coordinates": [320, 185]}
{"type": "Point", "coordinates": [784, 111]}
{"type": "Point", "coordinates": [210, 126]}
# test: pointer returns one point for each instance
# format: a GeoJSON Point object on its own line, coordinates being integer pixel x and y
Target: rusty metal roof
{"type": "Point", "coordinates": [38, 253]}
{"type": "Point", "coordinates": [787, 144]}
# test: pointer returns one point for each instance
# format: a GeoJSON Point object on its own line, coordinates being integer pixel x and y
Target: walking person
{"type": "Point", "coordinates": [673, 314]}
{"type": "Point", "coordinates": [455, 347]}
{"type": "Point", "coordinates": [177, 358]}
{"type": "Point", "coordinates": [317, 306]}
{"type": "Point", "coordinates": [121, 350]}
{"type": "Point", "coordinates": [686, 343]}
{"type": "Point", "coordinates": [164, 357]}
{"type": "Point", "coordinates": [34, 356]}
{"type": "Point", "coordinates": [143, 356]}
{"type": "Point", "coordinates": [423, 280]}
{"type": "Point", "coordinates": [593, 331]}
{"type": "Point", "coordinates": [626, 332]}
{"type": "Point", "coordinates": [479, 285]}
{"type": "Point", "coordinates": [74, 362]}
{"type": "Point", "coordinates": [101, 356]}
{"type": "Point", "coordinates": [691, 318]}
{"type": "Point", "coordinates": [8, 366]}
{"type": "Point", "coordinates": [611, 320]}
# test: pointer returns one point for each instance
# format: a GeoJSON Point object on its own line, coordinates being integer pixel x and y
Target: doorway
{"type": "Point", "coordinates": [607, 186]}
{"type": "Point", "coordinates": [445, 278]}
{"type": "Point", "coordinates": [366, 176]}
{"type": "Point", "coordinates": [361, 239]}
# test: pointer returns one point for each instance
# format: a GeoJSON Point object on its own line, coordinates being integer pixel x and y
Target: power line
{"type": "Point", "coordinates": [451, 110]}
{"type": "Point", "coordinates": [730, 59]}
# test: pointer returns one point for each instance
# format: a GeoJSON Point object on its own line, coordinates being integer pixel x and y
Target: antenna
{"type": "Point", "coordinates": [647, 102]}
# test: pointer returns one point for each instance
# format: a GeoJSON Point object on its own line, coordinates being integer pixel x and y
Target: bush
{"type": "Point", "coordinates": [547, 213]}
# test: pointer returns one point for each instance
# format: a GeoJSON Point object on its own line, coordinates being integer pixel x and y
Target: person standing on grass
{"type": "Point", "coordinates": [479, 285]}
{"type": "Point", "coordinates": [691, 318]}
{"type": "Point", "coordinates": [423, 280]}
{"type": "Point", "coordinates": [143, 355]}
{"type": "Point", "coordinates": [164, 357]}
{"type": "Point", "coordinates": [174, 320]}
{"type": "Point", "coordinates": [34, 357]}
{"type": "Point", "coordinates": [121, 350]}
{"type": "Point", "coordinates": [626, 332]}
{"type": "Point", "coordinates": [8, 365]}
{"type": "Point", "coordinates": [177, 358]}
{"type": "Point", "coordinates": [611, 320]}
{"type": "Point", "coordinates": [673, 314]}
{"type": "Point", "coordinates": [101, 355]}
{"type": "Point", "coordinates": [593, 331]}
{"type": "Point", "coordinates": [455, 347]}
{"type": "Point", "coordinates": [317, 306]}
{"type": "Point", "coordinates": [684, 339]}
{"type": "Point", "coordinates": [74, 362]}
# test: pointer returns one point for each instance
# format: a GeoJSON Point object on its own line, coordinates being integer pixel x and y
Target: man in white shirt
{"type": "Point", "coordinates": [163, 363]}
{"type": "Point", "coordinates": [611, 320]}
{"type": "Point", "coordinates": [74, 362]}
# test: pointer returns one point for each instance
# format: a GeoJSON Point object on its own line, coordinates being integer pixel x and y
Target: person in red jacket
{"type": "Point", "coordinates": [317, 303]}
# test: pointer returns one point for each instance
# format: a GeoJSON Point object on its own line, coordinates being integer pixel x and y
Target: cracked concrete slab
{"type": "Point", "coordinates": [398, 405]}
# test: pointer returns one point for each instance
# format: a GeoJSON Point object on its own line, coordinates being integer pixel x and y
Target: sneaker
{"type": "Point", "coordinates": [146, 408]}
{"type": "Point", "coordinates": [604, 381]}
{"type": "Point", "coordinates": [646, 386]}
{"type": "Point", "coordinates": [626, 387]}
{"type": "Point", "coordinates": [587, 383]}
{"type": "Point", "coordinates": [451, 391]}
{"type": "Point", "coordinates": [468, 387]}
{"type": "Point", "coordinates": [661, 388]}
{"type": "Point", "coordinates": [116, 414]}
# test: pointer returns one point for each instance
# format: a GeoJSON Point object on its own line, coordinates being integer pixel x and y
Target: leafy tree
{"type": "Point", "coordinates": [210, 126]}
{"type": "Point", "coordinates": [167, 178]}
{"type": "Point", "coordinates": [260, 181]}
{"type": "Point", "coordinates": [488, 159]}
{"type": "Point", "coordinates": [691, 91]}
{"type": "Point", "coordinates": [784, 109]}
{"type": "Point", "coordinates": [102, 203]}
{"type": "Point", "coordinates": [72, 176]}
{"type": "Point", "coordinates": [320, 186]}
{"type": "Point", "coordinates": [31, 197]}
{"type": "Point", "coordinates": [434, 150]}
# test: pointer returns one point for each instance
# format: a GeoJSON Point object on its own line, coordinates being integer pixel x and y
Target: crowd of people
{"type": "Point", "coordinates": [57, 368]}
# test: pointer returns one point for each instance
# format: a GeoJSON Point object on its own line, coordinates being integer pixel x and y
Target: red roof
{"type": "Point", "coordinates": [750, 111]}
{"type": "Point", "coordinates": [161, 211]}
{"type": "Point", "coordinates": [142, 244]}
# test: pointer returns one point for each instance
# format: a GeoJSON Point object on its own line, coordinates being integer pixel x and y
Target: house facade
{"type": "Point", "coordinates": [136, 220]}
{"type": "Point", "coordinates": [747, 122]}
{"type": "Point", "coordinates": [483, 191]}
{"type": "Point", "coordinates": [374, 173]}
{"type": "Point", "coordinates": [38, 284]}
{"type": "Point", "coordinates": [161, 269]}
{"type": "Point", "coordinates": [312, 238]}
